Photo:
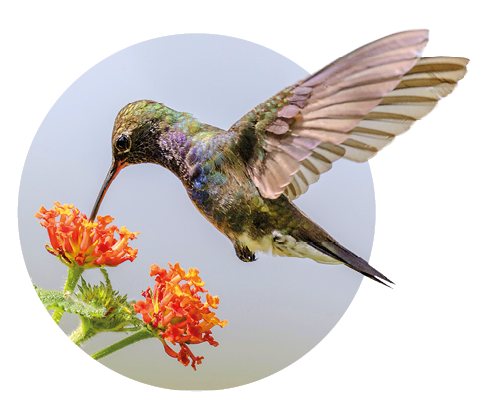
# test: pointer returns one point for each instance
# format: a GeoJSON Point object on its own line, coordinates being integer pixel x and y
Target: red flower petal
{"type": "Point", "coordinates": [75, 239]}
{"type": "Point", "coordinates": [179, 312]}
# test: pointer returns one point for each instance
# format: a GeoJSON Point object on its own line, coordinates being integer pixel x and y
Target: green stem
{"type": "Point", "coordinates": [83, 332]}
{"type": "Point", "coordinates": [131, 339]}
{"type": "Point", "coordinates": [72, 279]}
{"type": "Point", "coordinates": [57, 315]}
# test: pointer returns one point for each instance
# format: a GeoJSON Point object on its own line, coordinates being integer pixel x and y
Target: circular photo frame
{"type": "Point", "coordinates": [277, 308]}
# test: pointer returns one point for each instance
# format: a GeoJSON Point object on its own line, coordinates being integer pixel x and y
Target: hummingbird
{"type": "Point", "coordinates": [244, 180]}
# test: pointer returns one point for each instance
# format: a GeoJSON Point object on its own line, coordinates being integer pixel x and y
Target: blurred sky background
{"type": "Point", "coordinates": [278, 308]}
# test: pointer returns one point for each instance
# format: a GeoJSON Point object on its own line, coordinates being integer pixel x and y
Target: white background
{"type": "Point", "coordinates": [415, 346]}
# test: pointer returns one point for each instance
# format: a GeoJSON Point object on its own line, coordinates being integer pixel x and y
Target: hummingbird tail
{"type": "Point", "coordinates": [345, 256]}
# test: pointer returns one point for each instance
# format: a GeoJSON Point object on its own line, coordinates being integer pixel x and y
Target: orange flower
{"type": "Point", "coordinates": [176, 309]}
{"type": "Point", "coordinates": [76, 240]}
{"type": "Point", "coordinates": [145, 308]}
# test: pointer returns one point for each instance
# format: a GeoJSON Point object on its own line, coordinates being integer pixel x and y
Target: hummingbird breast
{"type": "Point", "coordinates": [218, 183]}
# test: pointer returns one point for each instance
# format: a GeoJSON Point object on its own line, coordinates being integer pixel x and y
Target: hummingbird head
{"type": "Point", "coordinates": [138, 128]}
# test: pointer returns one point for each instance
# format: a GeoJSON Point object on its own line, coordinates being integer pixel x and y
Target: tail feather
{"type": "Point", "coordinates": [340, 253]}
{"type": "Point", "coordinates": [312, 236]}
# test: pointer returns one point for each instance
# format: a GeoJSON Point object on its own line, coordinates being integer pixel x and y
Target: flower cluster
{"type": "Point", "coordinates": [176, 309]}
{"type": "Point", "coordinates": [75, 240]}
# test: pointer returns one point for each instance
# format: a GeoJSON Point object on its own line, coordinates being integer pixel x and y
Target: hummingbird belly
{"type": "Point", "coordinates": [258, 224]}
{"type": "Point", "coordinates": [285, 246]}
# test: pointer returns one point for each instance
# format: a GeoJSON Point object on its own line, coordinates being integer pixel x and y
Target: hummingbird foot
{"type": "Point", "coordinates": [244, 253]}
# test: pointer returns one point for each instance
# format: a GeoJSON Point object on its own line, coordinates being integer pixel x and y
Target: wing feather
{"type": "Point", "coordinates": [350, 109]}
{"type": "Point", "coordinates": [415, 96]}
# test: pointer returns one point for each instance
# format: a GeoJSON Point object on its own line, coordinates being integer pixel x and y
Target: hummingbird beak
{"type": "Point", "coordinates": [114, 170]}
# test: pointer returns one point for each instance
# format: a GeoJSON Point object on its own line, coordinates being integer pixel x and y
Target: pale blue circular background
{"type": "Point", "coordinates": [277, 308]}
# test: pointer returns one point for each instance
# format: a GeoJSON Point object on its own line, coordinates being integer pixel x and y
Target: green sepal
{"type": "Point", "coordinates": [105, 296]}
{"type": "Point", "coordinates": [118, 314]}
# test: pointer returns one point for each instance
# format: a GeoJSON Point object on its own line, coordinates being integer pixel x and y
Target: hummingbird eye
{"type": "Point", "coordinates": [123, 143]}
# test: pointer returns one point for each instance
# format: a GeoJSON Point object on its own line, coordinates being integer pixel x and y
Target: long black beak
{"type": "Point", "coordinates": [114, 170]}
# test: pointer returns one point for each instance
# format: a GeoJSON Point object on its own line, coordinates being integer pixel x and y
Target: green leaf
{"type": "Point", "coordinates": [70, 303]}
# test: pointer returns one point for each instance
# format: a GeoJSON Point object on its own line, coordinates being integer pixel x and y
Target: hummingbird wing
{"type": "Point", "coordinates": [420, 89]}
{"type": "Point", "coordinates": [352, 108]}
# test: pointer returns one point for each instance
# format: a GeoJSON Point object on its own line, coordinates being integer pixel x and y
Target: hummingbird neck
{"type": "Point", "coordinates": [181, 146]}
{"type": "Point", "coordinates": [173, 148]}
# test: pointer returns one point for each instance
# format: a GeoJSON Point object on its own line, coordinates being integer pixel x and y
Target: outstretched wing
{"type": "Point", "coordinates": [351, 108]}
{"type": "Point", "coordinates": [415, 96]}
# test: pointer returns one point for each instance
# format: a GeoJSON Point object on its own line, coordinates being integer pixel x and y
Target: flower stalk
{"type": "Point", "coordinates": [72, 279]}
{"type": "Point", "coordinates": [84, 332]}
{"type": "Point", "coordinates": [131, 339]}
